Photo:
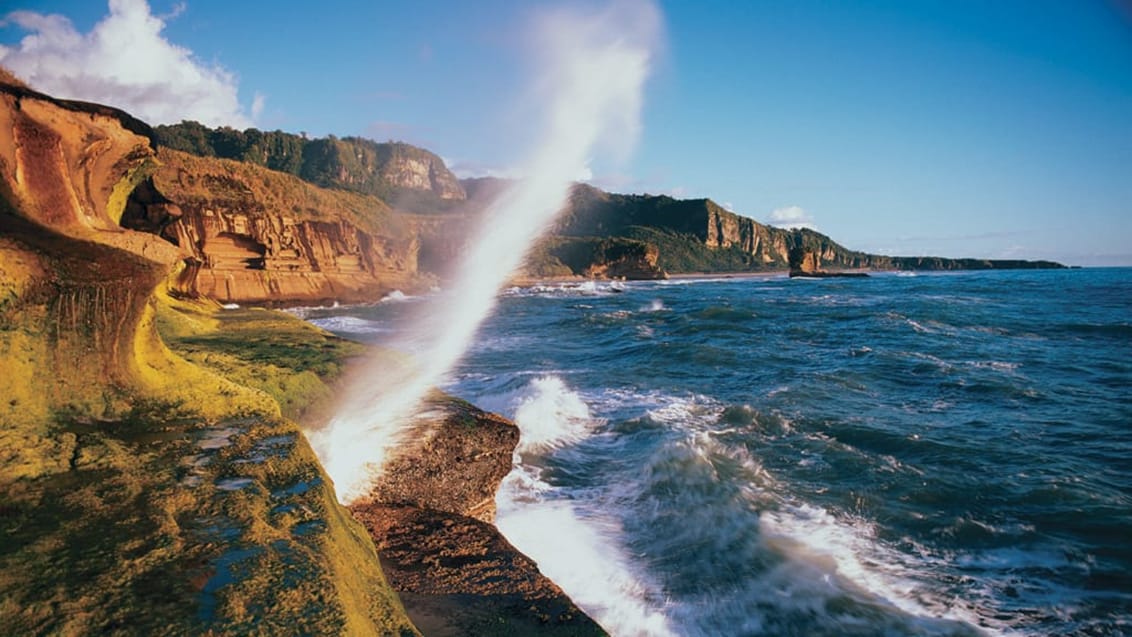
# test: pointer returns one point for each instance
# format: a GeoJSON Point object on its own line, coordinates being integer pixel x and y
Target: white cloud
{"type": "Point", "coordinates": [258, 102]}
{"type": "Point", "coordinates": [791, 217]}
{"type": "Point", "coordinates": [473, 170]}
{"type": "Point", "coordinates": [124, 61]}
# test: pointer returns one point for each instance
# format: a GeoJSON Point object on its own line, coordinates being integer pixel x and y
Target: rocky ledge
{"type": "Point", "coordinates": [430, 517]}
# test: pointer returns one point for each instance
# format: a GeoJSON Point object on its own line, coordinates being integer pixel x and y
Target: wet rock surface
{"type": "Point", "coordinates": [180, 529]}
{"type": "Point", "coordinates": [430, 517]}
{"type": "Point", "coordinates": [459, 576]}
{"type": "Point", "coordinates": [452, 461]}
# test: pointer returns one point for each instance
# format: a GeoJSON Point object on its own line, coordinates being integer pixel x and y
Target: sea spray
{"type": "Point", "coordinates": [590, 73]}
{"type": "Point", "coordinates": [583, 554]}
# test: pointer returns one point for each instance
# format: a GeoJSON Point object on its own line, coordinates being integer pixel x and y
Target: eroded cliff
{"type": "Point", "coordinates": [143, 493]}
{"type": "Point", "coordinates": [253, 235]}
{"type": "Point", "coordinates": [390, 170]}
{"type": "Point", "coordinates": [699, 235]}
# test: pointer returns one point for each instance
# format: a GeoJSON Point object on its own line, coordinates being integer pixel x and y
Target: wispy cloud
{"type": "Point", "coordinates": [474, 170]}
{"type": "Point", "coordinates": [382, 130]}
{"type": "Point", "coordinates": [125, 61]}
{"type": "Point", "coordinates": [791, 217]}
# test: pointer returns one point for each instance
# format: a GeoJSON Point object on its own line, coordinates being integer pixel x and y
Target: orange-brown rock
{"type": "Point", "coordinates": [66, 170]}
{"type": "Point", "coordinates": [638, 263]}
{"type": "Point", "coordinates": [453, 461]}
{"type": "Point", "coordinates": [253, 235]}
{"type": "Point", "coordinates": [430, 517]}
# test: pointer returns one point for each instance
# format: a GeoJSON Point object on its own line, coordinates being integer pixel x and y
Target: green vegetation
{"type": "Point", "coordinates": [288, 359]}
{"type": "Point", "coordinates": [687, 253]}
{"type": "Point", "coordinates": [350, 163]}
{"type": "Point", "coordinates": [156, 518]}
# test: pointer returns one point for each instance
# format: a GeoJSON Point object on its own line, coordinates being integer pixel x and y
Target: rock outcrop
{"type": "Point", "coordinates": [390, 170]}
{"type": "Point", "coordinates": [594, 258]}
{"type": "Point", "coordinates": [136, 501]}
{"type": "Point", "coordinates": [430, 516]}
{"type": "Point", "coordinates": [252, 235]}
{"type": "Point", "coordinates": [66, 171]}
{"type": "Point", "coordinates": [700, 235]}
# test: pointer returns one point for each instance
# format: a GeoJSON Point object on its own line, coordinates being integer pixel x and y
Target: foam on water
{"type": "Point", "coordinates": [583, 555]}
{"type": "Point", "coordinates": [551, 416]}
{"type": "Point", "coordinates": [841, 473]}
{"type": "Point", "coordinates": [559, 290]}
{"type": "Point", "coordinates": [726, 505]}
{"type": "Point", "coordinates": [349, 325]}
{"type": "Point", "coordinates": [589, 76]}
{"type": "Point", "coordinates": [395, 295]}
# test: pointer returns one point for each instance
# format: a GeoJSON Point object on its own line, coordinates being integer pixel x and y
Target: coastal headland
{"type": "Point", "coordinates": [155, 473]}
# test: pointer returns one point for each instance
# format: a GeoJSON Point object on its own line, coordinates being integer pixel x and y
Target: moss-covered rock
{"type": "Point", "coordinates": [142, 492]}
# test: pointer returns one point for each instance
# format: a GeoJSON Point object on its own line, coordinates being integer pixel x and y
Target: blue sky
{"type": "Point", "coordinates": [957, 128]}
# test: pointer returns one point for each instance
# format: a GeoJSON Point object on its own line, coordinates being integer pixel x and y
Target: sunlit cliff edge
{"type": "Point", "coordinates": [143, 492]}
{"type": "Point", "coordinates": [153, 478]}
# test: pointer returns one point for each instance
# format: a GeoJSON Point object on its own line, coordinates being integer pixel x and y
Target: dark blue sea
{"type": "Point", "coordinates": [939, 454]}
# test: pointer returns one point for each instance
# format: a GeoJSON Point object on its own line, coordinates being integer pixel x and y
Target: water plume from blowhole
{"type": "Point", "coordinates": [589, 68]}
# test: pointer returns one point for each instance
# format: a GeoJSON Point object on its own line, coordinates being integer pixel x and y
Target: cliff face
{"type": "Point", "coordinates": [698, 234]}
{"type": "Point", "coordinates": [594, 258]}
{"type": "Point", "coordinates": [77, 284]}
{"type": "Point", "coordinates": [254, 235]}
{"type": "Point", "coordinates": [135, 500]}
{"type": "Point", "coordinates": [390, 170]}
{"type": "Point", "coordinates": [405, 166]}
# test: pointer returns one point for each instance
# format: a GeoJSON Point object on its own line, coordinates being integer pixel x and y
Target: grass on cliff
{"type": "Point", "coordinates": [681, 253]}
{"type": "Point", "coordinates": [291, 360]}
{"type": "Point", "coordinates": [187, 178]}
{"type": "Point", "coordinates": [158, 520]}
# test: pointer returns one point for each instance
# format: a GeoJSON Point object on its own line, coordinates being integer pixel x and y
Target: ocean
{"type": "Point", "coordinates": [931, 454]}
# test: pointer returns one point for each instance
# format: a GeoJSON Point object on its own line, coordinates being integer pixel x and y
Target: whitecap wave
{"type": "Point", "coordinates": [551, 415]}
{"type": "Point", "coordinates": [560, 290]}
{"type": "Point", "coordinates": [395, 295]}
{"type": "Point", "coordinates": [579, 551]}
{"type": "Point", "coordinates": [348, 325]}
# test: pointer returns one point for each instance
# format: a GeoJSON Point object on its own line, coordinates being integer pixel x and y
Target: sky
{"type": "Point", "coordinates": [959, 128]}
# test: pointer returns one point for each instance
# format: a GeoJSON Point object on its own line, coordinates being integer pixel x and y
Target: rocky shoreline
{"type": "Point", "coordinates": [431, 517]}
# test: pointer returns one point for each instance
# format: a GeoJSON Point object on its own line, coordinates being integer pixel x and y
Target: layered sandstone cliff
{"type": "Point", "coordinates": [253, 235]}
{"type": "Point", "coordinates": [142, 493]}
{"type": "Point", "coordinates": [66, 170]}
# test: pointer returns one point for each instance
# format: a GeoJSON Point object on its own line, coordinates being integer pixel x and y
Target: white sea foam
{"type": "Point", "coordinates": [551, 416]}
{"type": "Point", "coordinates": [580, 553]}
{"type": "Point", "coordinates": [349, 325]}
{"type": "Point", "coordinates": [998, 366]}
{"type": "Point", "coordinates": [575, 542]}
{"type": "Point", "coordinates": [734, 506]}
{"type": "Point", "coordinates": [560, 290]}
{"type": "Point", "coordinates": [589, 75]}
{"type": "Point", "coordinates": [395, 295]}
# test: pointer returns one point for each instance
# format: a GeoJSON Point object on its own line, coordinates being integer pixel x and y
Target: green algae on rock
{"type": "Point", "coordinates": [144, 493]}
